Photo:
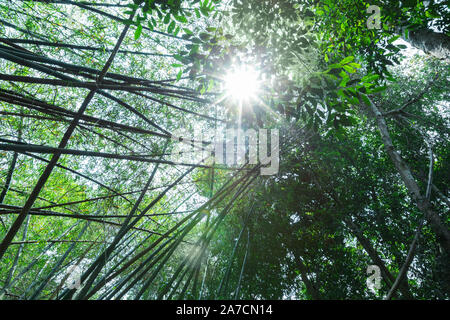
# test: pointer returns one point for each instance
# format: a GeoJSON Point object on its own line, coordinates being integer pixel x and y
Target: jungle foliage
{"type": "Point", "coordinates": [93, 204]}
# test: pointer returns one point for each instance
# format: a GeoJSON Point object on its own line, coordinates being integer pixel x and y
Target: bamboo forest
{"type": "Point", "coordinates": [224, 150]}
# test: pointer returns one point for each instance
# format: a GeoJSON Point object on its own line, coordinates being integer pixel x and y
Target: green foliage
{"type": "Point", "coordinates": [191, 230]}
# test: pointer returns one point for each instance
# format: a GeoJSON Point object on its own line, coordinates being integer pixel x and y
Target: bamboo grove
{"type": "Point", "coordinates": [94, 203]}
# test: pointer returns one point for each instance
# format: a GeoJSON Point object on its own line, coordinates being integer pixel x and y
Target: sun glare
{"type": "Point", "coordinates": [242, 83]}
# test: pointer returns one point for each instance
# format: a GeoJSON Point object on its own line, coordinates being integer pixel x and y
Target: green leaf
{"type": "Point", "coordinates": [334, 66]}
{"type": "Point", "coordinates": [150, 25]}
{"type": "Point", "coordinates": [204, 11]}
{"type": "Point", "coordinates": [371, 78]}
{"type": "Point", "coordinates": [178, 57]}
{"type": "Point", "coordinates": [355, 65]}
{"type": "Point", "coordinates": [347, 60]}
{"type": "Point", "coordinates": [181, 19]}
{"type": "Point", "coordinates": [187, 31]}
{"type": "Point", "coordinates": [393, 39]}
{"type": "Point", "coordinates": [349, 69]}
{"type": "Point", "coordinates": [344, 82]}
{"type": "Point", "coordinates": [167, 18]}
{"type": "Point", "coordinates": [365, 99]}
{"type": "Point", "coordinates": [179, 74]}
{"type": "Point", "coordinates": [171, 27]}
{"type": "Point", "coordinates": [378, 89]}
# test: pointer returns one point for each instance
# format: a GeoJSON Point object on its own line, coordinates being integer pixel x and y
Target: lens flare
{"type": "Point", "coordinates": [242, 83]}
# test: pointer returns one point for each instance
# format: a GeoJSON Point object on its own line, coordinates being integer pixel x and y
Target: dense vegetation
{"type": "Point", "coordinates": [96, 202]}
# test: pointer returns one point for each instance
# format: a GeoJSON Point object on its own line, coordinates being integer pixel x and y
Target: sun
{"type": "Point", "coordinates": [242, 83]}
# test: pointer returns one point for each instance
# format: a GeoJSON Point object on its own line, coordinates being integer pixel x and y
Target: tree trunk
{"type": "Point", "coordinates": [373, 254]}
{"type": "Point", "coordinates": [439, 228]}
{"type": "Point", "coordinates": [433, 43]}
{"type": "Point", "coordinates": [310, 287]}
